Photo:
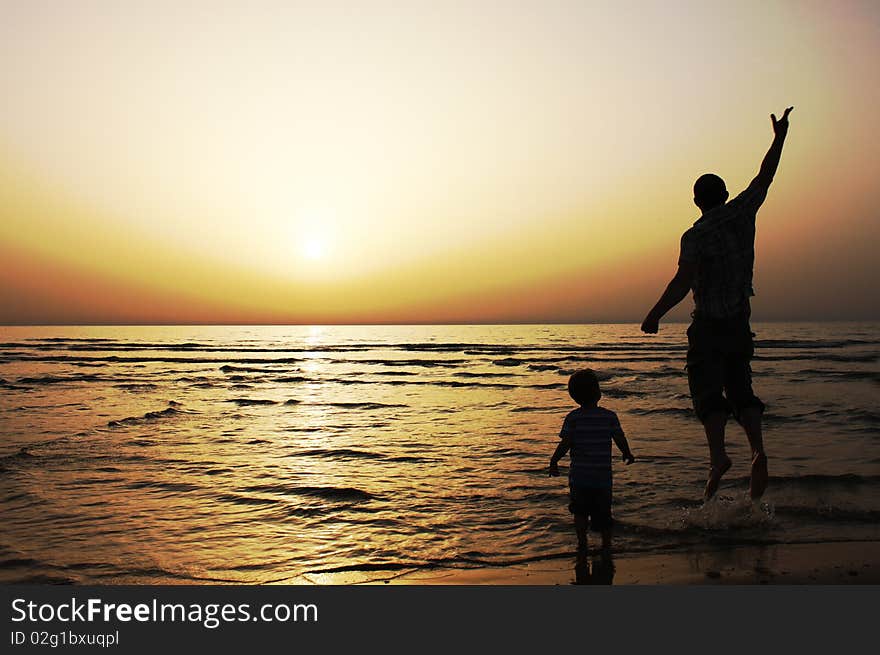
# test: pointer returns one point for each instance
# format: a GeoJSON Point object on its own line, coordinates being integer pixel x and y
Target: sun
{"type": "Point", "coordinates": [314, 235]}
{"type": "Point", "coordinates": [313, 248]}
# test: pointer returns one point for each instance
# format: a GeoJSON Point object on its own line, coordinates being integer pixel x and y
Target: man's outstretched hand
{"type": "Point", "coordinates": [780, 127]}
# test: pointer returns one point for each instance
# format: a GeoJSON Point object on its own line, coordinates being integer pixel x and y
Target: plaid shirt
{"type": "Point", "coordinates": [722, 246]}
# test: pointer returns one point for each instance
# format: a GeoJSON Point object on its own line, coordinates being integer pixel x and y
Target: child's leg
{"type": "Point", "coordinates": [579, 511]}
{"type": "Point", "coordinates": [603, 519]}
{"type": "Point", "coordinates": [580, 526]}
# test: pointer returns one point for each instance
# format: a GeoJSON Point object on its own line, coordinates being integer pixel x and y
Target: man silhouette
{"type": "Point", "coordinates": [716, 261]}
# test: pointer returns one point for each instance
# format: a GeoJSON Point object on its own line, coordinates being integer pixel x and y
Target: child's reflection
{"type": "Point", "coordinates": [602, 569]}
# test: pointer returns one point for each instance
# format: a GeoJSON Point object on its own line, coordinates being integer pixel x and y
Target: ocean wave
{"type": "Point", "coordinates": [540, 362]}
{"type": "Point", "coordinates": [22, 455]}
{"type": "Point", "coordinates": [154, 573]}
{"type": "Point", "coordinates": [239, 499]}
{"type": "Point", "coordinates": [19, 562]}
{"type": "Point", "coordinates": [425, 363]}
{"type": "Point", "coordinates": [221, 470]}
{"type": "Point", "coordinates": [343, 494]}
{"type": "Point", "coordinates": [820, 357]}
{"type": "Point", "coordinates": [351, 453]}
{"type": "Point", "coordinates": [810, 480]}
{"type": "Point", "coordinates": [410, 459]}
{"type": "Point", "coordinates": [229, 368]}
{"type": "Point", "coordinates": [178, 487]}
{"type": "Point", "coordinates": [62, 379]}
{"type": "Point", "coordinates": [456, 384]}
{"type": "Point", "coordinates": [463, 561]}
{"type": "Point", "coordinates": [468, 374]}
{"type": "Point", "coordinates": [149, 360]}
{"type": "Point", "coordinates": [360, 405]}
{"type": "Point", "coordinates": [5, 384]}
{"type": "Point", "coordinates": [666, 411]}
{"type": "Point", "coordinates": [172, 411]}
{"type": "Point", "coordinates": [111, 345]}
{"type": "Point", "coordinates": [848, 375]}
{"type": "Point", "coordinates": [597, 357]}
{"type": "Point", "coordinates": [816, 479]}
{"type": "Point", "coordinates": [137, 387]}
{"type": "Point", "coordinates": [337, 453]}
{"type": "Point", "coordinates": [829, 513]}
{"type": "Point", "coordinates": [854, 418]}
{"type": "Point", "coordinates": [73, 339]}
{"type": "Point", "coordinates": [618, 392]}
{"type": "Point", "coordinates": [198, 382]}
{"type": "Point", "coordinates": [810, 344]}
{"type": "Point", "coordinates": [548, 385]}
{"type": "Point", "coordinates": [467, 382]}
{"type": "Point", "coordinates": [634, 345]}
{"type": "Point", "coordinates": [458, 347]}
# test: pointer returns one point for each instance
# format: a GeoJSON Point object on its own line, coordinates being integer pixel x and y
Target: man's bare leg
{"type": "Point", "coordinates": [750, 419]}
{"type": "Point", "coordinates": [714, 426]}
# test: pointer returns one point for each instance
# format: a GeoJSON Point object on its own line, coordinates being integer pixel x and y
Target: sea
{"type": "Point", "coordinates": [274, 454]}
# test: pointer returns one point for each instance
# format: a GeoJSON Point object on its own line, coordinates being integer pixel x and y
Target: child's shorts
{"type": "Point", "coordinates": [593, 502]}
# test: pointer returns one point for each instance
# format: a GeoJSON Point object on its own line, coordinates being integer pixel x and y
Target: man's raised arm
{"type": "Point", "coordinates": [771, 159]}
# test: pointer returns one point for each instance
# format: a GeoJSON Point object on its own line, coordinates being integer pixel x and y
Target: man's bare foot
{"type": "Point", "coordinates": [714, 480]}
{"type": "Point", "coordinates": [760, 477]}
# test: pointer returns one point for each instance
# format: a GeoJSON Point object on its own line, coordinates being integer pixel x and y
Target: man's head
{"type": "Point", "coordinates": [583, 387]}
{"type": "Point", "coordinates": [709, 192]}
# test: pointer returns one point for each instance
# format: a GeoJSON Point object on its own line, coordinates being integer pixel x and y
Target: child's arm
{"type": "Point", "coordinates": [559, 453]}
{"type": "Point", "coordinates": [623, 444]}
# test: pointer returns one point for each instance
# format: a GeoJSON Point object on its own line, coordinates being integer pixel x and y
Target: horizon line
{"type": "Point", "coordinates": [415, 323]}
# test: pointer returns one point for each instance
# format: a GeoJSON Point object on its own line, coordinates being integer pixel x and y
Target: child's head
{"type": "Point", "coordinates": [583, 387]}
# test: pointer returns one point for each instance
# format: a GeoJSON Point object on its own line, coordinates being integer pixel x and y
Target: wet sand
{"type": "Point", "coordinates": [787, 564]}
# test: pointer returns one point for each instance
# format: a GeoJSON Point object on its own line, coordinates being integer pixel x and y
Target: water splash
{"type": "Point", "coordinates": [724, 513]}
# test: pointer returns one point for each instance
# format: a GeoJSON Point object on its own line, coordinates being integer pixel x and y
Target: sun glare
{"type": "Point", "coordinates": [313, 248]}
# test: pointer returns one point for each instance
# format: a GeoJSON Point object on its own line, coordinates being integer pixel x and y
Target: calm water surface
{"type": "Point", "coordinates": [272, 454]}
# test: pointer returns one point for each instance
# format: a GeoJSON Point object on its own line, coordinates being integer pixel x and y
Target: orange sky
{"type": "Point", "coordinates": [367, 162]}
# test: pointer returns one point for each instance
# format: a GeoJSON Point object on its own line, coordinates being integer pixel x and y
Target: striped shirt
{"type": "Point", "coordinates": [590, 430]}
{"type": "Point", "coordinates": [722, 246]}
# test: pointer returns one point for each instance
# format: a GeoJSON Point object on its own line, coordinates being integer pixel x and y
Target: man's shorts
{"type": "Point", "coordinates": [593, 502]}
{"type": "Point", "coordinates": [718, 366]}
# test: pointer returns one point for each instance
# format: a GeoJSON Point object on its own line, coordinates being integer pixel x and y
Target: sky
{"type": "Point", "coordinates": [424, 162]}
